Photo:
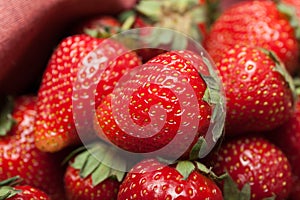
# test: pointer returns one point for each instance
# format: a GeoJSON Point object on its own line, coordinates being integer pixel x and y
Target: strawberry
{"type": "Point", "coordinates": [255, 162]}
{"type": "Point", "coordinates": [89, 176]}
{"type": "Point", "coordinates": [287, 138]}
{"type": "Point", "coordinates": [54, 127]}
{"type": "Point", "coordinates": [10, 191]}
{"type": "Point", "coordinates": [151, 179]}
{"type": "Point", "coordinates": [257, 23]}
{"type": "Point", "coordinates": [167, 99]}
{"type": "Point", "coordinates": [260, 93]}
{"type": "Point", "coordinates": [20, 157]}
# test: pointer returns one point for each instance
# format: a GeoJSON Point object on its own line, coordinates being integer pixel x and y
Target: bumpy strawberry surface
{"type": "Point", "coordinates": [29, 193]}
{"type": "Point", "coordinates": [257, 23]}
{"type": "Point", "coordinates": [171, 81]}
{"type": "Point", "coordinates": [255, 161]}
{"type": "Point", "coordinates": [151, 179]}
{"type": "Point", "coordinates": [20, 157]}
{"type": "Point", "coordinates": [55, 128]}
{"type": "Point", "coordinates": [78, 188]}
{"type": "Point", "coordinates": [287, 137]}
{"type": "Point", "coordinates": [259, 91]}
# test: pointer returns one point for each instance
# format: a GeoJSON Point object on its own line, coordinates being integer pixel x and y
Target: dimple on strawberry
{"type": "Point", "coordinates": [257, 169]}
{"type": "Point", "coordinates": [55, 127]}
{"type": "Point", "coordinates": [167, 103]}
{"type": "Point", "coordinates": [151, 179]}
{"type": "Point", "coordinates": [20, 157]}
{"type": "Point", "coordinates": [260, 93]}
{"type": "Point", "coordinates": [259, 23]}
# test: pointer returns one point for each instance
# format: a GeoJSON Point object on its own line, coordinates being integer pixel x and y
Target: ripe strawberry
{"type": "Point", "coordinates": [287, 138]}
{"type": "Point", "coordinates": [167, 103]}
{"type": "Point", "coordinates": [20, 157]}
{"type": "Point", "coordinates": [10, 191]}
{"type": "Point", "coordinates": [55, 128]}
{"type": "Point", "coordinates": [257, 23]}
{"type": "Point", "coordinates": [256, 162]}
{"type": "Point", "coordinates": [150, 179]}
{"type": "Point", "coordinates": [90, 177]}
{"type": "Point", "coordinates": [259, 91]}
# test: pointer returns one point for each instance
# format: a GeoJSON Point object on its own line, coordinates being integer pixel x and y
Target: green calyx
{"type": "Point", "coordinates": [100, 161]}
{"type": "Point", "coordinates": [290, 12]}
{"type": "Point", "coordinates": [185, 168]}
{"type": "Point", "coordinates": [6, 119]}
{"type": "Point", "coordinates": [181, 15]}
{"type": "Point", "coordinates": [6, 187]}
{"type": "Point", "coordinates": [232, 192]}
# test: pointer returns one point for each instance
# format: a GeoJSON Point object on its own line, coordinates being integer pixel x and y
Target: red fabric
{"type": "Point", "coordinates": [29, 30]}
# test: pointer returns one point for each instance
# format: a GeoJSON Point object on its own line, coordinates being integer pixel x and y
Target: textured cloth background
{"type": "Point", "coordinates": [29, 30]}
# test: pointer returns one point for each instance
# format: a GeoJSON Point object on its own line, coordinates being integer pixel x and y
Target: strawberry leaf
{"type": "Point", "coordinates": [198, 148]}
{"type": "Point", "coordinates": [232, 192]}
{"type": "Point", "coordinates": [8, 192]}
{"type": "Point", "coordinates": [185, 168]}
{"type": "Point", "coordinates": [6, 119]}
{"type": "Point", "coordinates": [100, 174]}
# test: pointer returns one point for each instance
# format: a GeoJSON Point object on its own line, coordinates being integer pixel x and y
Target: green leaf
{"type": "Point", "coordinates": [11, 181]}
{"type": "Point", "coordinates": [72, 154]}
{"type": "Point", "coordinates": [270, 198]}
{"type": "Point", "coordinates": [7, 192]}
{"type": "Point", "coordinates": [232, 192]}
{"type": "Point", "coordinates": [185, 168]}
{"type": "Point", "coordinates": [80, 160]}
{"type": "Point", "coordinates": [245, 193]}
{"type": "Point", "coordinates": [100, 174]}
{"type": "Point", "coordinates": [91, 164]}
{"type": "Point", "coordinates": [150, 8]}
{"type": "Point", "coordinates": [6, 119]}
{"type": "Point", "coordinates": [198, 148]}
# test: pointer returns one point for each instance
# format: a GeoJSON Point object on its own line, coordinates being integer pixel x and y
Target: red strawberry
{"type": "Point", "coordinates": [151, 179]}
{"type": "Point", "coordinates": [257, 162]}
{"type": "Point", "coordinates": [166, 103]}
{"type": "Point", "coordinates": [55, 128]}
{"type": "Point", "coordinates": [91, 177]}
{"type": "Point", "coordinates": [10, 191]}
{"type": "Point", "coordinates": [20, 157]}
{"type": "Point", "coordinates": [259, 91]}
{"type": "Point", "coordinates": [287, 137]}
{"type": "Point", "coordinates": [257, 23]}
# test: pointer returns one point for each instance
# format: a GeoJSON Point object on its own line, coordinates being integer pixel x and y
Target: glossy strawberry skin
{"type": "Point", "coordinates": [29, 193]}
{"type": "Point", "coordinates": [78, 188]}
{"type": "Point", "coordinates": [151, 94]}
{"type": "Point", "coordinates": [151, 179]}
{"type": "Point", "coordinates": [55, 128]}
{"type": "Point", "coordinates": [259, 97]}
{"type": "Point", "coordinates": [20, 157]}
{"type": "Point", "coordinates": [256, 161]}
{"type": "Point", "coordinates": [257, 23]}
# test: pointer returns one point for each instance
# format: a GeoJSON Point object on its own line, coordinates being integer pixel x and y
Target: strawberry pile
{"type": "Point", "coordinates": [112, 120]}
